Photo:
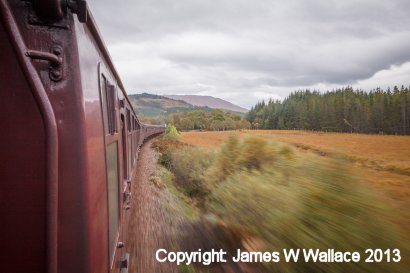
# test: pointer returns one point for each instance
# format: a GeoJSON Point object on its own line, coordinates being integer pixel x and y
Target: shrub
{"type": "Point", "coordinates": [165, 147]}
{"type": "Point", "coordinates": [251, 154]}
{"type": "Point", "coordinates": [190, 165]}
{"type": "Point", "coordinates": [171, 133]}
{"type": "Point", "coordinates": [156, 181]}
{"type": "Point", "coordinates": [319, 206]}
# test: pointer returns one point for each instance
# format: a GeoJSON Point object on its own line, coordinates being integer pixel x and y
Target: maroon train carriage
{"type": "Point", "coordinates": [69, 141]}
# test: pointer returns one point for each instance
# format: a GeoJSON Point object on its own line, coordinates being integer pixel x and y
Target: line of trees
{"type": "Point", "coordinates": [216, 120]}
{"type": "Point", "coordinates": [341, 110]}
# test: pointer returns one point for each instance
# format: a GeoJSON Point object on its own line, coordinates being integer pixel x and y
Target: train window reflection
{"type": "Point", "coordinates": [113, 196]}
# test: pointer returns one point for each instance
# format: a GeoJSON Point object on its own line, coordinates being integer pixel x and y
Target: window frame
{"type": "Point", "coordinates": [105, 82]}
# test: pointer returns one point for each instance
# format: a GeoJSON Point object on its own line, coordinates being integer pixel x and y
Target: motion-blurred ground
{"type": "Point", "coordinates": [382, 160]}
{"type": "Point", "coordinates": [265, 191]}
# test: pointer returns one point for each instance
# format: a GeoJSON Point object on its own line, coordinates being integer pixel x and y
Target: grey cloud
{"type": "Point", "coordinates": [235, 48]}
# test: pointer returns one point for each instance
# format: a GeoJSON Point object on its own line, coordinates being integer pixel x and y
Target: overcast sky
{"type": "Point", "coordinates": [248, 50]}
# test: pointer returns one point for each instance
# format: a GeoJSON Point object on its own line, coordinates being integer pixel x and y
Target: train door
{"type": "Point", "coordinates": [129, 139]}
{"type": "Point", "coordinates": [126, 175]}
{"type": "Point", "coordinates": [124, 148]}
{"type": "Point", "coordinates": [113, 155]}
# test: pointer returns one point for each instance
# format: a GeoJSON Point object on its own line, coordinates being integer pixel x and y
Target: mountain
{"type": "Point", "coordinates": [153, 105]}
{"type": "Point", "coordinates": [208, 101]}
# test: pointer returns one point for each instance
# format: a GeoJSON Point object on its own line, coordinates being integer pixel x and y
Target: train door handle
{"type": "Point", "coordinates": [120, 244]}
{"type": "Point", "coordinates": [55, 58]}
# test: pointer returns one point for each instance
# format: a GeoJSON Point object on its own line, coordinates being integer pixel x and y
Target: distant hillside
{"type": "Point", "coordinates": [154, 105]}
{"type": "Point", "coordinates": [208, 101]}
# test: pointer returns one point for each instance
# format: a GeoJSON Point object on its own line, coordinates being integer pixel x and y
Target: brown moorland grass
{"type": "Point", "coordinates": [382, 160]}
{"type": "Point", "coordinates": [385, 150]}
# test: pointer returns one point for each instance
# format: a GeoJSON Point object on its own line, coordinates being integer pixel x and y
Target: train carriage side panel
{"type": "Point", "coordinates": [22, 168]}
{"type": "Point", "coordinates": [65, 98]}
{"type": "Point", "coordinates": [105, 149]}
{"type": "Point", "coordinates": [86, 101]}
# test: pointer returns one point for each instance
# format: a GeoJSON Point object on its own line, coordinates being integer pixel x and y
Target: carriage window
{"type": "Point", "coordinates": [113, 196]}
{"type": "Point", "coordinates": [104, 102]}
{"type": "Point", "coordinates": [112, 124]}
{"type": "Point", "coordinates": [129, 120]}
{"type": "Point", "coordinates": [132, 124]}
{"type": "Point", "coordinates": [108, 97]}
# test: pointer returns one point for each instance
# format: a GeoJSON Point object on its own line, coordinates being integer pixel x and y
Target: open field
{"type": "Point", "coordinates": [383, 161]}
{"type": "Point", "coordinates": [382, 149]}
